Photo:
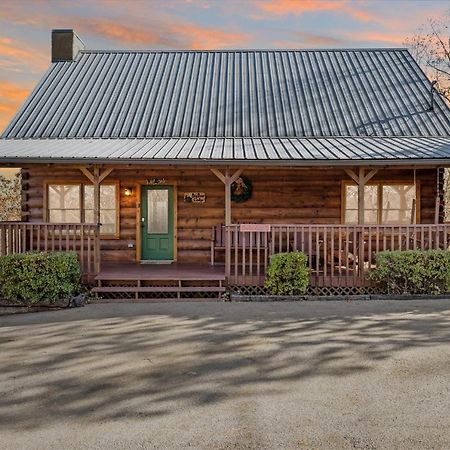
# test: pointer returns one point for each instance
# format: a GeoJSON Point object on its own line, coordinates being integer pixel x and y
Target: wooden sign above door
{"type": "Point", "coordinates": [156, 181]}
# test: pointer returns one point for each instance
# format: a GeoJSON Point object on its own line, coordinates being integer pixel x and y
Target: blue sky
{"type": "Point", "coordinates": [25, 27]}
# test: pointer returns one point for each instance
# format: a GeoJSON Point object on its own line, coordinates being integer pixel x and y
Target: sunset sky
{"type": "Point", "coordinates": [25, 27]}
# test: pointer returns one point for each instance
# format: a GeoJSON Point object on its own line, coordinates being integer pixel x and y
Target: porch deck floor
{"type": "Point", "coordinates": [126, 271]}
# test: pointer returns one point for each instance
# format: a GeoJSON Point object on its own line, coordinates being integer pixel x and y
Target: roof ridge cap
{"type": "Point", "coordinates": [247, 50]}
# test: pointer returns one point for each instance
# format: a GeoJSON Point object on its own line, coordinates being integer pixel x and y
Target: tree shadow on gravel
{"type": "Point", "coordinates": [140, 361]}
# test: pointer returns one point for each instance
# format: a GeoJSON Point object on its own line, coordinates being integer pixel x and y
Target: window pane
{"type": "Point", "coordinates": [107, 196]}
{"type": "Point", "coordinates": [64, 215]}
{"type": "Point", "coordinates": [398, 216]}
{"type": "Point", "coordinates": [108, 221]}
{"type": "Point", "coordinates": [89, 197]}
{"type": "Point", "coordinates": [352, 197]}
{"type": "Point", "coordinates": [371, 197]}
{"type": "Point", "coordinates": [108, 228]}
{"type": "Point", "coordinates": [64, 203]}
{"type": "Point", "coordinates": [351, 216]}
{"type": "Point", "coordinates": [370, 217]}
{"type": "Point", "coordinates": [108, 207]}
{"type": "Point", "coordinates": [370, 204]}
{"type": "Point", "coordinates": [89, 216]}
{"type": "Point", "coordinates": [158, 211]}
{"type": "Point", "coordinates": [398, 203]}
{"type": "Point", "coordinates": [398, 196]}
{"type": "Point", "coordinates": [63, 196]}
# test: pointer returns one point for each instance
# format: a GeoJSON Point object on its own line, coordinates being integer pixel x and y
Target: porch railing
{"type": "Point", "coordinates": [20, 237]}
{"type": "Point", "coordinates": [338, 255]}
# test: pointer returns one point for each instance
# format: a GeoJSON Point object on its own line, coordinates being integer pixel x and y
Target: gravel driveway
{"type": "Point", "coordinates": [228, 375]}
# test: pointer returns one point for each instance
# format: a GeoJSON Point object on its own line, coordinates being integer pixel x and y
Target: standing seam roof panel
{"type": "Point", "coordinates": [131, 100]}
{"type": "Point", "coordinates": [257, 93]}
{"type": "Point", "coordinates": [113, 127]}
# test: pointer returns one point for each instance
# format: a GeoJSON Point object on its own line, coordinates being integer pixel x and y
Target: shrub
{"type": "Point", "coordinates": [287, 274]}
{"type": "Point", "coordinates": [38, 277]}
{"type": "Point", "coordinates": [412, 272]}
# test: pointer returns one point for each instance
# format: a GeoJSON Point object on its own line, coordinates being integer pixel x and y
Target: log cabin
{"type": "Point", "coordinates": [181, 172]}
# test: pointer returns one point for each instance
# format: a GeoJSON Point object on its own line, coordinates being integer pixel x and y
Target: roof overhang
{"type": "Point", "coordinates": [331, 151]}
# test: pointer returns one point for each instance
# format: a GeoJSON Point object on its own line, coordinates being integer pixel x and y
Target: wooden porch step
{"type": "Point", "coordinates": [169, 277]}
{"type": "Point", "coordinates": [112, 289]}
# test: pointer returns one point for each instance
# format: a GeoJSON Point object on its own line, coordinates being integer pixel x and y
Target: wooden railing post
{"type": "Point", "coordinates": [227, 252]}
{"type": "Point", "coordinates": [97, 249]}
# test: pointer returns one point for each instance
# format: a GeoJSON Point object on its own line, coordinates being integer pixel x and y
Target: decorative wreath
{"type": "Point", "coordinates": [241, 190]}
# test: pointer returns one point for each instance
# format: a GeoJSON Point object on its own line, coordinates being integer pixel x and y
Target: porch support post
{"type": "Point", "coordinates": [227, 198]}
{"type": "Point", "coordinates": [227, 180]}
{"type": "Point", "coordinates": [361, 203]}
{"type": "Point", "coordinates": [96, 182]}
{"type": "Point", "coordinates": [96, 176]}
{"type": "Point", "coordinates": [361, 179]}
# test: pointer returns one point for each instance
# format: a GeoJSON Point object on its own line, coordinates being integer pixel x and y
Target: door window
{"type": "Point", "coordinates": [158, 211]}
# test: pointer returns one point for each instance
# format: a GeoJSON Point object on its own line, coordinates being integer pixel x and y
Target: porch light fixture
{"type": "Point", "coordinates": [128, 191]}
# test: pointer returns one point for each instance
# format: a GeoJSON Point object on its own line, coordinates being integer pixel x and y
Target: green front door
{"type": "Point", "coordinates": [157, 223]}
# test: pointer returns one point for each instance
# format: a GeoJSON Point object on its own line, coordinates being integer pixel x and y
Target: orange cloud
{"type": "Point", "coordinates": [317, 40]}
{"type": "Point", "coordinates": [122, 33]}
{"type": "Point", "coordinates": [348, 39]}
{"type": "Point", "coordinates": [16, 55]}
{"type": "Point", "coordinates": [377, 37]}
{"type": "Point", "coordinates": [12, 95]}
{"type": "Point", "coordinates": [283, 7]}
{"type": "Point", "coordinates": [176, 35]}
{"type": "Point", "coordinates": [209, 38]}
{"type": "Point", "coordinates": [12, 92]}
{"type": "Point", "coordinates": [130, 26]}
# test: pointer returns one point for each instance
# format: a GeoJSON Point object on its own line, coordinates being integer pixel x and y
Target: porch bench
{"type": "Point", "coordinates": [218, 241]}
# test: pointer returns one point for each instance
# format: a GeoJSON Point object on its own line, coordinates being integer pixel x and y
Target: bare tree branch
{"type": "Point", "coordinates": [430, 46]}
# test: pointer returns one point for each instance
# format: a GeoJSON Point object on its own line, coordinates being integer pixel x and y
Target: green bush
{"type": "Point", "coordinates": [412, 272]}
{"type": "Point", "coordinates": [39, 277]}
{"type": "Point", "coordinates": [287, 274]}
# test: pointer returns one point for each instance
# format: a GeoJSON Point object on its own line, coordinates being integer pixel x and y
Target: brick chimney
{"type": "Point", "coordinates": [65, 45]}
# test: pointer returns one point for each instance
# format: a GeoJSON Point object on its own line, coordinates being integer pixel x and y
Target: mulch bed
{"type": "Point", "coordinates": [14, 307]}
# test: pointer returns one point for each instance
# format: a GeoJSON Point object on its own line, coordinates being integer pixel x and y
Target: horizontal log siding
{"type": "Point", "coordinates": [279, 196]}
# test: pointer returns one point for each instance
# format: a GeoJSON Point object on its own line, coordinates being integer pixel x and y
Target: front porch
{"type": "Point", "coordinates": [339, 256]}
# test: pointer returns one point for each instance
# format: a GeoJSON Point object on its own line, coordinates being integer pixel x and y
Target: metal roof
{"type": "Point", "coordinates": [287, 151]}
{"type": "Point", "coordinates": [252, 93]}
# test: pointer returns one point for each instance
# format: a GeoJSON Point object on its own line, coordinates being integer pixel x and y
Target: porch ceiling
{"type": "Point", "coordinates": [282, 151]}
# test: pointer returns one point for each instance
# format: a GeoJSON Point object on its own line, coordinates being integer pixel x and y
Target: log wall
{"type": "Point", "coordinates": [280, 195]}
